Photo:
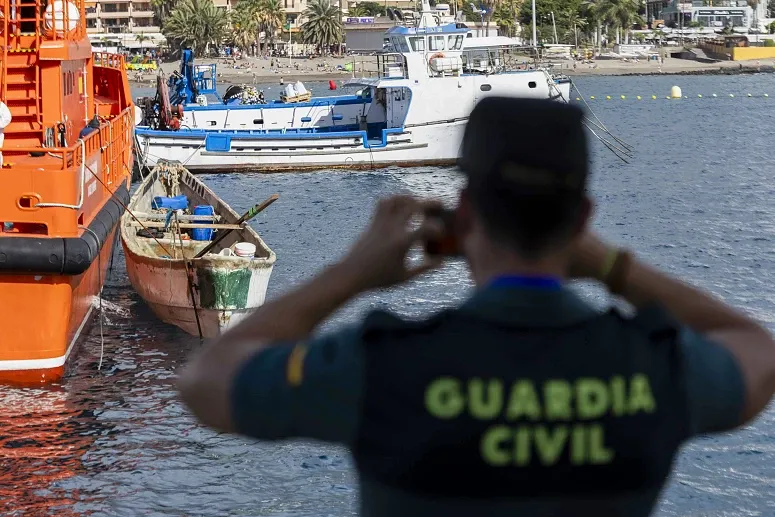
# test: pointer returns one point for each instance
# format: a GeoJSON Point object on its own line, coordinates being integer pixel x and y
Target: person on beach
{"type": "Point", "coordinates": [524, 400]}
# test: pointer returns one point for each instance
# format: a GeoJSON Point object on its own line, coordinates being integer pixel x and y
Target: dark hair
{"type": "Point", "coordinates": [532, 221]}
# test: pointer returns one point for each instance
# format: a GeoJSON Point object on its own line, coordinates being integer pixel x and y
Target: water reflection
{"type": "Point", "coordinates": [44, 435]}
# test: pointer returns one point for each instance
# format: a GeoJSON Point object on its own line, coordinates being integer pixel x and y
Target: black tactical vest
{"type": "Point", "coordinates": [575, 404]}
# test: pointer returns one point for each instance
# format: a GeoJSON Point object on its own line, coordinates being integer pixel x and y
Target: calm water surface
{"type": "Point", "coordinates": [115, 440]}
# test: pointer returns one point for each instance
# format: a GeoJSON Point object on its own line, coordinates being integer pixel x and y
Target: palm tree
{"type": "Point", "coordinates": [324, 26]}
{"type": "Point", "coordinates": [367, 9]}
{"type": "Point", "coordinates": [621, 13]}
{"type": "Point", "coordinates": [161, 8]}
{"type": "Point", "coordinates": [505, 15]}
{"type": "Point", "coordinates": [268, 15]}
{"type": "Point", "coordinates": [272, 16]}
{"type": "Point", "coordinates": [754, 4]}
{"type": "Point", "coordinates": [244, 26]}
{"type": "Point", "coordinates": [196, 24]}
{"type": "Point", "coordinates": [593, 13]}
{"type": "Point", "coordinates": [140, 39]}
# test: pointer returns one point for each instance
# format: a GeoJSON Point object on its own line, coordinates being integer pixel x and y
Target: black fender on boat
{"type": "Point", "coordinates": [64, 256]}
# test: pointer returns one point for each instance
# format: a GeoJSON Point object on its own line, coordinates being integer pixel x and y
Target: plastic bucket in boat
{"type": "Point", "coordinates": [202, 234]}
{"type": "Point", "coordinates": [245, 249]}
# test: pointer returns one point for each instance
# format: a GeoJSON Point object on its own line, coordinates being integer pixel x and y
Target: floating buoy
{"type": "Point", "coordinates": [608, 97]}
{"type": "Point", "coordinates": [592, 98]}
{"type": "Point", "coordinates": [731, 95]}
{"type": "Point", "coordinates": [749, 95]}
{"type": "Point", "coordinates": [578, 98]}
{"type": "Point", "coordinates": [766, 95]}
{"type": "Point", "coordinates": [653, 96]}
{"type": "Point", "coordinates": [699, 95]}
{"type": "Point", "coordinates": [331, 85]}
{"type": "Point", "coordinates": [675, 92]}
{"type": "Point", "coordinates": [622, 96]}
{"type": "Point", "coordinates": [638, 97]}
{"type": "Point", "coordinates": [714, 95]}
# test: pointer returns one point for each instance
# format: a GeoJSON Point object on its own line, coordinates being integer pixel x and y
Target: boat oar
{"type": "Point", "coordinates": [250, 214]}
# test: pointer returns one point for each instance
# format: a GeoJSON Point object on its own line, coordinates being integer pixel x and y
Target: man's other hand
{"type": "Point", "coordinates": [379, 256]}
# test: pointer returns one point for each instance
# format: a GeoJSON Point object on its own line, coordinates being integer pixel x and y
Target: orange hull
{"type": "Point", "coordinates": [68, 123]}
{"type": "Point", "coordinates": [47, 316]}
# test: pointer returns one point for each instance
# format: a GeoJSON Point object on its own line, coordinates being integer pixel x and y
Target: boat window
{"type": "Point", "coordinates": [399, 44]}
{"type": "Point", "coordinates": [436, 43]}
{"type": "Point", "coordinates": [531, 84]}
{"type": "Point", "coordinates": [418, 44]}
{"type": "Point", "coordinates": [455, 42]}
{"type": "Point", "coordinates": [485, 87]}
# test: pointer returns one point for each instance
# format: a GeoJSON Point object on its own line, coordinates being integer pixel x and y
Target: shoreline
{"type": "Point", "coordinates": [611, 68]}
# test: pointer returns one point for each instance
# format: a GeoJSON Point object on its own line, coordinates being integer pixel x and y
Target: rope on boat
{"type": "Point", "coordinates": [611, 147]}
{"type": "Point", "coordinates": [625, 149]}
{"type": "Point", "coordinates": [126, 208]}
{"type": "Point", "coordinates": [99, 296]}
{"type": "Point", "coordinates": [189, 276]}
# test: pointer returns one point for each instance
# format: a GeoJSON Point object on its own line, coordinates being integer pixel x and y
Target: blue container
{"type": "Point", "coordinates": [172, 203]}
{"type": "Point", "coordinates": [202, 234]}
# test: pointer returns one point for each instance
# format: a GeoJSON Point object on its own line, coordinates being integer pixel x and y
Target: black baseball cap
{"type": "Point", "coordinates": [525, 146]}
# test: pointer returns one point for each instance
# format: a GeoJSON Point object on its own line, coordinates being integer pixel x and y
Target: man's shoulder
{"type": "Point", "coordinates": [380, 322]}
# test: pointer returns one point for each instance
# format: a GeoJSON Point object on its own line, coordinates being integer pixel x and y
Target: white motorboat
{"type": "Point", "coordinates": [412, 112]}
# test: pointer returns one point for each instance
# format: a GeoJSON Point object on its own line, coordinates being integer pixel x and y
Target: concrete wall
{"type": "Point", "coordinates": [364, 39]}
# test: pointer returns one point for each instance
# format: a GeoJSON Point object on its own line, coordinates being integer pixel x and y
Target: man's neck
{"type": "Point", "coordinates": [488, 266]}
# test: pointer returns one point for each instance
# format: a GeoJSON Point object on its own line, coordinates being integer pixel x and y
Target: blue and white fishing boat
{"type": "Point", "coordinates": [412, 112]}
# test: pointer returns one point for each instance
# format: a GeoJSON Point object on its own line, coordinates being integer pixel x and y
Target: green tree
{"type": "Point", "coordinates": [368, 9]}
{"type": "Point", "coordinates": [505, 16]}
{"type": "Point", "coordinates": [196, 24]}
{"type": "Point", "coordinates": [244, 26]}
{"type": "Point", "coordinates": [260, 16]}
{"type": "Point", "coordinates": [271, 16]}
{"type": "Point", "coordinates": [324, 26]}
{"type": "Point", "coordinates": [622, 14]}
{"type": "Point", "coordinates": [161, 9]}
{"type": "Point", "coordinates": [141, 38]}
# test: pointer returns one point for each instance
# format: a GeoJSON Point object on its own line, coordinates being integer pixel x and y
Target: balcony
{"type": "Point", "coordinates": [142, 14]}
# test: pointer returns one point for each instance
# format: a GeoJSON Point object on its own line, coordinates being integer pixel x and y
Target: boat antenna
{"type": "Point", "coordinates": [535, 39]}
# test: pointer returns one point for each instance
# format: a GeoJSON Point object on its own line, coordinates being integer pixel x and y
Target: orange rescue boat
{"type": "Point", "coordinates": [67, 158]}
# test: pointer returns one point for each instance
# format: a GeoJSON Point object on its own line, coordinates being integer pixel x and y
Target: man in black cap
{"type": "Point", "coordinates": [522, 401]}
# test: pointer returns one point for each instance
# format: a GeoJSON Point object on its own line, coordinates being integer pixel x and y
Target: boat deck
{"type": "Point", "coordinates": [47, 161]}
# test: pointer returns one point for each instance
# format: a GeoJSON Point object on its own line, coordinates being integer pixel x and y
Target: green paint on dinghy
{"type": "Point", "coordinates": [223, 289]}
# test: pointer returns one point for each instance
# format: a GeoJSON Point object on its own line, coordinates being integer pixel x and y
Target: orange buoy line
{"type": "Point", "coordinates": [66, 166]}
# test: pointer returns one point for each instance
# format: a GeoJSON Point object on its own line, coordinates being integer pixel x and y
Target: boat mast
{"type": "Point", "coordinates": [535, 39]}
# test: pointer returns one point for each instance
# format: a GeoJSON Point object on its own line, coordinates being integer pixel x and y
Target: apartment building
{"type": "Point", "coordinates": [119, 16]}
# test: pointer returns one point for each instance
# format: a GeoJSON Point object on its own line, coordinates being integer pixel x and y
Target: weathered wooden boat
{"type": "Point", "coordinates": [203, 295]}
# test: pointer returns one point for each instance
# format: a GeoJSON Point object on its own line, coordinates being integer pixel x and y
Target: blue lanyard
{"type": "Point", "coordinates": [534, 282]}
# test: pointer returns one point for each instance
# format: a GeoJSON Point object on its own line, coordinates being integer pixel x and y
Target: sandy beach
{"type": "Point", "coordinates": [253, 70]}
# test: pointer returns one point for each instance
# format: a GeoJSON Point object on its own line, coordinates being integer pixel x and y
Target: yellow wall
{"type": "Point", "coordinates": [739, 53]}
{"type": "Point", "coordinates": [743, 53]}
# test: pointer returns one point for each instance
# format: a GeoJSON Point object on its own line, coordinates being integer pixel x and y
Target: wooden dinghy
{"type": "Point", "coordinates": [161, 247]}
